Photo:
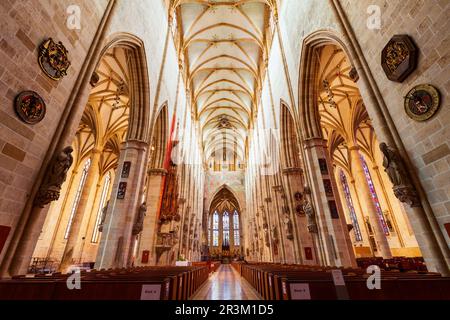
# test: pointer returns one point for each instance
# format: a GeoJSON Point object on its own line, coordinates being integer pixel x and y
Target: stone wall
{"type": "Point", "coordinates": [25, 25]}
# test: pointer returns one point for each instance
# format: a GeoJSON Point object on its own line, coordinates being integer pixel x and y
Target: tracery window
{"type": "Point", "coordinates": [351, 208]}
{"type": "Point", "coordinates": [76, 201]}
{"type": "Point", "coordinates": [226, 229]}
{"type": "Point", "coordinates": [374, 196]}
{"type": "Point", "coordinates": [103, 197]}
{"type": "Point", "coordinates": [236, 229]}
{"type": "Point", "coordinates": [216, 229]}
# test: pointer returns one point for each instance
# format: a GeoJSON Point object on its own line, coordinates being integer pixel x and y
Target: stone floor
{"type": "Point", "coordinates": [226, 284]}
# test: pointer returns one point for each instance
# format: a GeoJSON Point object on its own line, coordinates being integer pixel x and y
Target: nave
{"type": "Point", "coordinates": [223, 149]}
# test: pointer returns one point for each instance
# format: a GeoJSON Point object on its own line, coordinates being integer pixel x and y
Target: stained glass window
{"type": "Point", "coordinates": [215, 229]}
{"type": "Point", "coordinates": [102, 204]}
{"type": "Point", "coordinates": [236, 237]}
{"type": "Point", "coordinates": [351, 208]}
{"type": "Point", "coordinates": [374, 196]}
{"type": "Point", "coordinates": [226, 238]}
{"type": "Point", "coordinates": [226, 221]}
{"type": "Point", "coordinates": [226, 229]}
{"type": "Point", "coordinates": [76, 201]}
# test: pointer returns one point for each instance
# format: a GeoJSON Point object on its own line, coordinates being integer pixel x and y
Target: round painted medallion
{"type": "Point", "coordinates": [422, 102]}
{"type": "Point", "coordinates": [30, 107]}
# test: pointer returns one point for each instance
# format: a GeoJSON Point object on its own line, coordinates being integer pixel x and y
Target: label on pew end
{"type": "Point", "coordinates": [300, 291]}
{"type": "Point", "coordinates": [151, 292]}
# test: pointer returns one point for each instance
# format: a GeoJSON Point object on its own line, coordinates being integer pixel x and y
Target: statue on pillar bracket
{"type": "Point", "coordinates": [288, 226]}
{"type": "Point", "coordinates": [55, 176]}
{"type": "Point", "coordinates": [310, 212]}
{"type": "Point", "coordinates": [398, 174]}
{"type": "Point", "coordinates": [139, 223]}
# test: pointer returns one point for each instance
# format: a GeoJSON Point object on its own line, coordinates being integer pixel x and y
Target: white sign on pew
{"type": "Point", "coordinates": [300, 291]}
{"type": "Point", "coordinates": [151, 292]}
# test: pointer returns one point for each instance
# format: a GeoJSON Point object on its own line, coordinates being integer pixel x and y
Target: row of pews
{"type": "Point", "coordinates": [139, 283]}
{"type": "Point", "coordinates": [298, 282]}
{"type": "Point", "coordinates": [211, 265]}
{"type": "Point", "coordinates": [402, 264]}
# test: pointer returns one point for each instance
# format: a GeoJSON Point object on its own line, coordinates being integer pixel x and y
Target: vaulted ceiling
{"type": "Point", "coordinates": [343, 116]}
{"type": "Point", "coordinates": [104, 123]}
{"type": "Point", "coordinates": [223, 45]}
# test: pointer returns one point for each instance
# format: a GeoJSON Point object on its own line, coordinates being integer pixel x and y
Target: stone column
{"type": "Point", "coordinates": [367, 202]}
{"type": "Point", "coordinates": [148, 237]}
{"type": "Point", "coordinates": [388, 202]}
{"type": "Point", "coordinates": [117, 238]}
{"type": "Point", "coordinates": [294, 182]}
{"type": "Point", "coordinates": [333, 243]}
{"type": "Point", "coordinates": [73, 239]}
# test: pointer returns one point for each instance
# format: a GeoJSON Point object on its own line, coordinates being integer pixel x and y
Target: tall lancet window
{"type": "Point", "coordinates": [374, 196]}
{"type": "Point", "coordinates": [216, 229]}
{"type": "Point", "coordinates": [351, 208]}
{"type": "Point", "coordinates": [236, 238]}
{"type": "Point", "coordinates": [106, 184]}
{"type": "Point", "coordinates": [76, 201]}
{"type": "Point", "coordinates": [226, 229]}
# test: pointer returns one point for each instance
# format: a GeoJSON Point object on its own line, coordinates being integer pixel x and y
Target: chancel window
{"type": "Point", "coordinates": [76, 201]}
{"type": "Point", "coordinates": [236, 228]}
{"type": "Point", "coordinates": [351, 208]}
{"type": "Point", "coordinates": [226, 229]}
{"type": "Point", "coordinates": [103, 197]}
{"type": "Point", "coordinates": [374, 196]}
{"type": "Point", "coordinates": [216, 229]}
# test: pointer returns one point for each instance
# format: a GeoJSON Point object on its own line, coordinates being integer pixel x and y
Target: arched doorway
{"type": "Point", "coordinates": [377, 220]}
{"type": "Point", "coordinates": [72, 229]}
{"type": "Point", "coordinates": [224, 227]}
{"type": "Point", "coordinates": [343, 148]}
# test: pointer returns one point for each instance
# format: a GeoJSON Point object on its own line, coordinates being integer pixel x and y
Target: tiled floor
{"type": "Point", "coordinates": [226, 284]}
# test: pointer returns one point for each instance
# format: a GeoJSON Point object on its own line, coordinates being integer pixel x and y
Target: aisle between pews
{"type": "Point", "coordinates": [226, 284]}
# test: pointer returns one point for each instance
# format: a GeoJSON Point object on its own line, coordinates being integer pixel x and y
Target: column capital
{"type": "Point", "coordinates": [354, 148]}
{"type": "Point", "coordinates": [157, 172]}
{"type": "Point", "coordinates": [292, 171]}
{"type": "Point", "coordinates": [314, 142]}
{"type": "Point", "coordinates": [134, 144]}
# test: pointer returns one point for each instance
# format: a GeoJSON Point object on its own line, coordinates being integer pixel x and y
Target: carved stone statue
{"type": "Point", "coordinates": [55, 176]}
{"type": "Point", "coordinates": [392, 165]}
{"type": "Point", "coordinates": [288, 227]}
{"type": "Point", "coordinates": [139, 224]}
{"type": "Point", "coordinates": [311, 216]}
{"type": "Point", "coordinates": [274, 235]}
{"type": "Point", "coordinates": [266, 238]}
{"type": "Point", "coordinates": [397, 173]}
{"type": "Point", "coordinates": [102, 221]}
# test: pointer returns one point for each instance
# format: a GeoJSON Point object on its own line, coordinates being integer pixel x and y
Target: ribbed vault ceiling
{"type": "Point", "coordinates": [223, 45]}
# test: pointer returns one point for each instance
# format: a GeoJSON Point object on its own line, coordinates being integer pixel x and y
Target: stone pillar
{"type": "Point", "coordinates": [294, 182]}
{"type": "Point", "coordinates": [333, 243]}
{"type": "Point", "coordinates": [73, 239]}
{"type": "Point", "coordinates": [117, 238]}
{"type": "Point", "coordinates": [391, 209]}
{"type": "Point", "coordinates": [148, 237]}
{"type": "Point", "coordinates": [367, 202]}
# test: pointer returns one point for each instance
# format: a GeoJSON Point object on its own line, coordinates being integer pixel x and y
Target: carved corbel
{"type": "Point", "coordinates": [56, 174]}
{"type": "Point", "coordinates": [398, 174]}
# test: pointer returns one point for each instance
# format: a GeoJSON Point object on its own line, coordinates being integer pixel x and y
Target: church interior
{"type": "Point", "coordinates": [224, 150]}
